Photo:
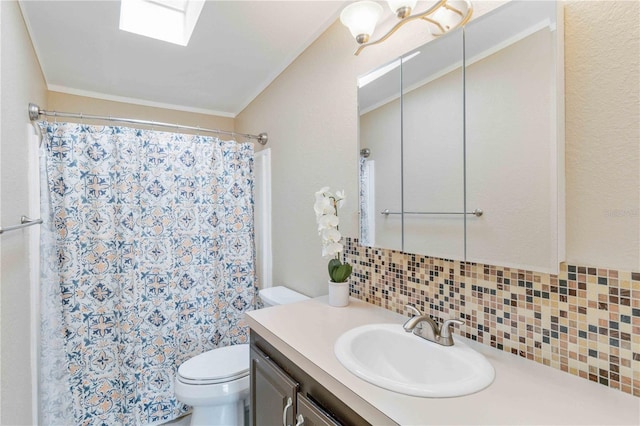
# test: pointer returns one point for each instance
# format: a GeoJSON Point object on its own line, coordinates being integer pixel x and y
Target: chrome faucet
{"type": "Point", "coordinates": [424, 326]}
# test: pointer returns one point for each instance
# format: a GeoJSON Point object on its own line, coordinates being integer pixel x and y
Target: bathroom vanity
{"type": "Point", "coordinates": [292, 357]}
{"type": "Point", "coordinates": [274, 378]}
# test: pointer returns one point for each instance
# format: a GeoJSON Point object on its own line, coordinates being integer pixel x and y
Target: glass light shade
{"type": "Point", "coordinates": [448, 19]}
{"type": "Point", "coordinates": [361, 17]}
{"type": "Point", "coordinates": [394, 5]}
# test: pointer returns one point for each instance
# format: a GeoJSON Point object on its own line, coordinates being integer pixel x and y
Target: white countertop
{"type": "Point", "coordinates": [524, 392]}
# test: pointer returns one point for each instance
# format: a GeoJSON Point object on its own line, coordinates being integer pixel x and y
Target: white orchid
{"type": "Point", "coordinates": [323, 204]}
{"type": "Point", "coordinates": [331, 235]}
{"type": "Point", "coordinates": [328, 221]}
{"type": "Point", "coordinates": [331, 249]}
{"type": "Point", "coordinates": [326, 208]}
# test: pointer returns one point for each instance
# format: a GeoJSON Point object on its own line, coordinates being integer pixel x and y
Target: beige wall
{"type": "Point", "coordinates": [57, 101]}
{"type": "Point", "coordinates": [602, 64]}
{"type": "Point", "coordinates": [21, 83]}
{"type": "Point", "coordinates": [310, 114]}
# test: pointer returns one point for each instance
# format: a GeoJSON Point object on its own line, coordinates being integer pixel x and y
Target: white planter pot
{"type": "Point", "coordinates": [338, 294]}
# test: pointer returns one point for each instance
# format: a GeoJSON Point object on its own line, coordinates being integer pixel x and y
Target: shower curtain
{"type": "Point", "coordinates": [147, 260]}
{"type": "Point", "coordinates": [367, 202]}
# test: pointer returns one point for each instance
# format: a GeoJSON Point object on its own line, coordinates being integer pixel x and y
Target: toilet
{"type": "Point", "coordinates": [216, 383]}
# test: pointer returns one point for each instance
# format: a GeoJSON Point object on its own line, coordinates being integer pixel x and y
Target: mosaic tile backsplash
{"type": "Point", "coordinates": [584, 321]}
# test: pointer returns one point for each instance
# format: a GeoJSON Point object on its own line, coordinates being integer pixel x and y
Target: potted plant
{"type": "Point", "coordinates": [326, 208]}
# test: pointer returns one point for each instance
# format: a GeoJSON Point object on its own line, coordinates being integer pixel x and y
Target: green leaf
{"type": "Point", "coordinates": [333, 264]}
{"type": "Point", "coordinates": [340, 273]}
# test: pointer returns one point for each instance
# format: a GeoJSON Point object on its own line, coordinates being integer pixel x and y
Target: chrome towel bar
{"type": "Point", "coordinates": [476, 212]}
{"type": "Point", "coordinates": [24, 222]}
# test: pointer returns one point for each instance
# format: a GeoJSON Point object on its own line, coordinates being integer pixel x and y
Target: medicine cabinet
{"type": "Point", "coordinates": [462, 143]}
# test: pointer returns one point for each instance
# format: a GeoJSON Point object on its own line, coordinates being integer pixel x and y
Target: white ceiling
{"type": "Point", "coordinates": [237, 49]}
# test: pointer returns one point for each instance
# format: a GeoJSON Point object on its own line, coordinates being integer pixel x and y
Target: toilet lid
{"type": "Point", "coordinates": [222, 364]}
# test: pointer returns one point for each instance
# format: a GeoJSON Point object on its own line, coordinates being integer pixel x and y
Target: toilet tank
{"type": "Point", "coordinates": [280, 295]}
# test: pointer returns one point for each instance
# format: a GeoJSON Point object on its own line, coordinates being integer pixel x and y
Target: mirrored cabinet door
{"type": "Point", "coordinates": [433, 148]}
{"type": "Point", "coordinates": [514, 136]}
{"type": "Point", "coordinates": [380, 127]}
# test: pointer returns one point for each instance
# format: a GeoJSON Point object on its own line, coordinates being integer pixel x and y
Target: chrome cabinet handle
{"type": "Point", "coordinates": [300, 420]}
{"type": "Point", "coordinates": [284, 412]}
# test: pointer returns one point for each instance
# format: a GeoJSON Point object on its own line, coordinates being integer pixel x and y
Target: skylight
{"type": "Point", "coordinates": [172, 21]}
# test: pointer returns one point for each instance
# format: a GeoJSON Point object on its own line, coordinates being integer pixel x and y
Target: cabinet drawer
{"type": "Point", "coordinates": [309, 414]}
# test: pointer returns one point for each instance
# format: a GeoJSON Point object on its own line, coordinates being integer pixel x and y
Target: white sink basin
{"type": "Point", "coordinates": [387, 356]}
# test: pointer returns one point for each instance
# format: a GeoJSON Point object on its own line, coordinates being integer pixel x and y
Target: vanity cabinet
{"type": "Point", "coordinates": [273, 392]}
{"type": "Point", "coordinates": [309, 414]}
{"type": "Point", "coordinates": [283, 394]}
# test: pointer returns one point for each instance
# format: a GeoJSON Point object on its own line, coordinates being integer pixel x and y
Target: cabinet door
{"type": "Point", "coordinates": [309, 414]}
{"type": "Point", "coordinates": [273, 392]}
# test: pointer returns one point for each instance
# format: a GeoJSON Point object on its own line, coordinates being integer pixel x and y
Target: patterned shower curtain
{"type": "Point", "coordinates": [147, 260]}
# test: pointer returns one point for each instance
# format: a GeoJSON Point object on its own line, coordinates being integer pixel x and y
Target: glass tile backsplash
{"type": "Point", "coordinates": [585, 321]}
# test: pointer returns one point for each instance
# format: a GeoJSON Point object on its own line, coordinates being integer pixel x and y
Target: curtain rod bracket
{"type": "Point", "coordinates": [34, 112]}
{"type": "Point", "coordinates": [263, 138]}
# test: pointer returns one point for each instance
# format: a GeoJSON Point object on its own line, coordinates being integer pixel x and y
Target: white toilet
{"type": "Point", "coordinates": [216, 383]}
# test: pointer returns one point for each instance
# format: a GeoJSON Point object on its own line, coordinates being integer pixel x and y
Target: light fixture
{"type": "Point", "coordinates": [172, 21]}
{"type": "Point", "coordinates": [361, 18]}
{"type": "Point", "coordinates": [402, 8]}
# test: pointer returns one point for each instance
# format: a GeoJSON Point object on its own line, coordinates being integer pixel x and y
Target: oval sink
{"type": "Point", "coordinates": [387, 356]}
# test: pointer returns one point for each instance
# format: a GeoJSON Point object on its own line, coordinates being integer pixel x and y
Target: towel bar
{"type": "Point", "coordinates": [24, 222]}
{"type": "Point", "coordinates": [476, 212]}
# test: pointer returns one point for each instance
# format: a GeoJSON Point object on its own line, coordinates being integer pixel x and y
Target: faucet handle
{"type": "Point", "coordinates": [444, 330]}
{"type": "Point", "coordinates": [413, 309]}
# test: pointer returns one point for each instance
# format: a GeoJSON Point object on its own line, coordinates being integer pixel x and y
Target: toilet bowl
{"type": "Point", "coordinates": [216, 383]}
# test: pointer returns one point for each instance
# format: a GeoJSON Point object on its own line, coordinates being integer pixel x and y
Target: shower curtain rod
{"type": "Point", "coordinates": [35, 112]}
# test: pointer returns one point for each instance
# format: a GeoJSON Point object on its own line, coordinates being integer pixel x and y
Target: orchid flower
{"type": "Point", "coordinates": [326, 209]}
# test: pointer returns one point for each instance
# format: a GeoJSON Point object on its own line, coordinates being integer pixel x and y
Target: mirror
{"type": "Point", "coordinates": [380, 156]}
{"type": "Point", "coordinates": [433, 148]}
{"type": "Point", "coordinates": [515, 149]}
{"type": "Point", "coordinates": [469, 122]}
